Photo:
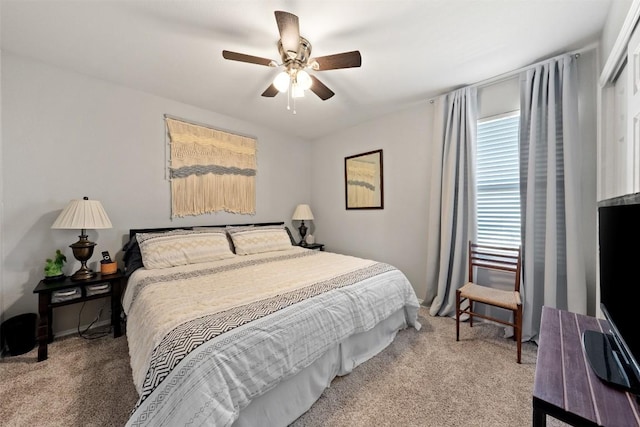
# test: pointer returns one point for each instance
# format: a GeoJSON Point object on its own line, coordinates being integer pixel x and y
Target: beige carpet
{"type": "Point", "coordinates": [424, 378]}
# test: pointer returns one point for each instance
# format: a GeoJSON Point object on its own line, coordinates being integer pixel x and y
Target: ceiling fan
{"type": "Point", "coordinates": [295, 53]}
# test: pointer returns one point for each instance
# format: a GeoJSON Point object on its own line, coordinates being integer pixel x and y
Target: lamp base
{"type": "Point", "coordinates": [82, 251]}
{"type": "Point", "coordinates": [303, 230]}
{"type": "Point", "coordinates": [83, 273]}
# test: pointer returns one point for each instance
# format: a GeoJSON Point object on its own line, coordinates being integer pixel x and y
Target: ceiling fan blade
{"type": "Point", "coordinates": [320, 89]}
{"type": "Point", "coordinates": [289, 30]}
{"type": "Point", "coordinates": [339, 60]}
{"type": "Point", "coordinates": [235, 56]}
{"type": "Point", "coordinates": [270, 92]}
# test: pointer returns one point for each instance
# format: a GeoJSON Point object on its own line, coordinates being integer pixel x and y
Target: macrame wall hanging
{"type": "Point", "coordinates": [210, 170]}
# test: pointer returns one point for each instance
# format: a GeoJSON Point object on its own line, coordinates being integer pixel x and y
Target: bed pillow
{"type": "Point", "coordinates": [255, 240]}
{"type": "Point", "coordinates": [182, 247]}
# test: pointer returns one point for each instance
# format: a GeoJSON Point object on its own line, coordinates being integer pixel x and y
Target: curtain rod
{"type": "Point", "coordinates": [191, 122]}
{"type": "Point", "coordinates": [505, 76]}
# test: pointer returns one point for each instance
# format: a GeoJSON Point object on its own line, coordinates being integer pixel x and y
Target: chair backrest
{"type": "Point", "coordinates": [495, 258]}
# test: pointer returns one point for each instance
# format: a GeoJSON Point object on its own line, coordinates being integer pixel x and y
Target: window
{"type": "Point", "coordinates": [498, 181]}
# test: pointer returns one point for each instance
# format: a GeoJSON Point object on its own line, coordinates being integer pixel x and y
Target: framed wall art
{"type": "Point", "coordinates": [363, 181]}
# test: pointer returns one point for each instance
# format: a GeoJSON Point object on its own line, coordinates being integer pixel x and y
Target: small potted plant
{"type": "Point", "coordinates": [53, 267]}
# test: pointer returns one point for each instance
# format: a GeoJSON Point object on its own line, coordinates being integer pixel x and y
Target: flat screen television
{"type": "Point", "coordinates": [614, 354]}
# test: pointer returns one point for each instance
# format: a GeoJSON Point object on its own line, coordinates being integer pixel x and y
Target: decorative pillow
{"type": "Point", "coordinates": [132, 257]}
{"type": "Point", "coordinates": [181, 247]}
{"type": "Point", "coordinates": [255, 240]}
{"type": "Point", "coordinates": [293, 241]}
{"type": "Point", "coordinates": [236, 228]}
{"type": "Point", "coordinates": [216, 228]}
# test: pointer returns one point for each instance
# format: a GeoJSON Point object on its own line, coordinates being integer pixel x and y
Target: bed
{"type": "Point", "coordinates": [239, 326]}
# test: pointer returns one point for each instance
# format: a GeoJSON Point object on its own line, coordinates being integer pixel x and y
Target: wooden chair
{"type": "Point", "coordinates": [492, 258]}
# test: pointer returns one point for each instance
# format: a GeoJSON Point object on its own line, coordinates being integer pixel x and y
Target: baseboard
{"type": "Point", "coordinates": [82, 328]}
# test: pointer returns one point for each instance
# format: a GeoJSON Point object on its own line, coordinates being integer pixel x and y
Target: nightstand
{"type": "Point", "coordinates": [45, 291]}
{"type": "Point", "coordinates": [313, 246]}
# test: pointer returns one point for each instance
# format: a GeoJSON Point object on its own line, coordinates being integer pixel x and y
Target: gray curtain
{"type": "Point", "coordinates": [553, 263]}
{"type": "Point", "coordinates": [452, 202]}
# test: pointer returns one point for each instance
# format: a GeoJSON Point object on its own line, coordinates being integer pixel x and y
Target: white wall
{"type": "Point", "coordinates": [67, 136]}
{"type": "Point", "coordinates": [396, 234]}
{"type": "Point", "coordinates": [499, 98]}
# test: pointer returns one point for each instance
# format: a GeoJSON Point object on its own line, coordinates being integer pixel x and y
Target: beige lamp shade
{"type": "Point", "coordinates": [302, 212]}
{"type": "Point", "coordinates": [82, 215]}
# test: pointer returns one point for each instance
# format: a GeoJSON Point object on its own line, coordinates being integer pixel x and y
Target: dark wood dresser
{"type": "Point", "coordinates": [565, 387]}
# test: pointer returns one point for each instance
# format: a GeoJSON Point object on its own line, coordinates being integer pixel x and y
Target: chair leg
{"type": "Point", "coordinates": [518, 334]}
{"type": "Point", "coordinates": [457, 315]}
{"type": "Point", "coordinates": [470, 313]}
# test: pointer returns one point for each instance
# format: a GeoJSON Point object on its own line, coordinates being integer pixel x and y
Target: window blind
{"type": "Point", "coordinates": [498, 181]}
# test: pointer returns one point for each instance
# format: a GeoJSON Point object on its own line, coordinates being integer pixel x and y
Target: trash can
{"type": "Point", "coordinates": [19, 333]}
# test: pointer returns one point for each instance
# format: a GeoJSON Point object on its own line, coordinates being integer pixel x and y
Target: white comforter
{"type": "Point", "coordinates": [206, 339]}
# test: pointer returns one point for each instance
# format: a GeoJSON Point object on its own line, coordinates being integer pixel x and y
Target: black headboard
{"type": "Point", "coordinates": [133, 231]}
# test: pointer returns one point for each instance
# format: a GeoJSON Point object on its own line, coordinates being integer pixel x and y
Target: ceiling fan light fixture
{"type": "Point", "coordinates": [295, 56]}
{"type": "Point", "coordinates": [303, 80]}
{"type": "Point", "coordinates": [281, 82]}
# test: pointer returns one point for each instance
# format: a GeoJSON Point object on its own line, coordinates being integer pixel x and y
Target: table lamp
{"type": "Point", "coordinates": [82, 215]}
{"type": "Point", "coordinates": [301, 213]}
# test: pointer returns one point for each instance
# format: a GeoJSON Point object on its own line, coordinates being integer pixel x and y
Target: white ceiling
{"type": "Point", "coordinates": [411, 49]}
